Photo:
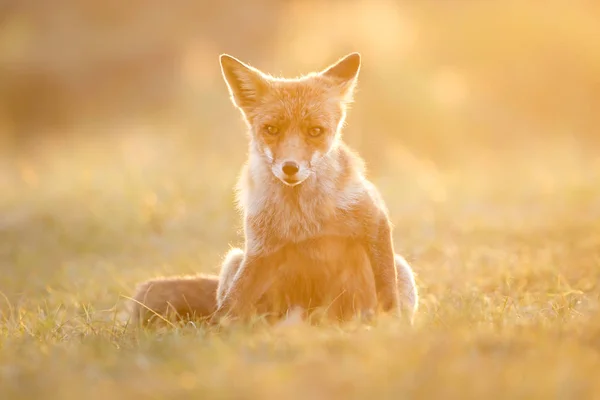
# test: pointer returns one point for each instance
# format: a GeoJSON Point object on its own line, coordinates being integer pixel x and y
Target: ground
{"type": "Point", "coordinates": [506, 249]}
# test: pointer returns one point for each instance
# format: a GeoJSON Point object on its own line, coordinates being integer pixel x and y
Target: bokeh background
{"type": "Point", "coordinates": [120, 146]}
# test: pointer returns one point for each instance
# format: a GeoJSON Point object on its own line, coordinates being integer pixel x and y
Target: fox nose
{"type": "Point", "coordinates": [290, 168]}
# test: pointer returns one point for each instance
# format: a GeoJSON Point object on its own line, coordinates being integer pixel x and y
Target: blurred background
{"type": "Point", "coordinates": [119, 146]}
{"type": "Point", "coordinates": [493, 73]}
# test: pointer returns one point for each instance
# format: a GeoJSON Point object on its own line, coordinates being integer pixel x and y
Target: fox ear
{"type": "Point", "coordinates": [344, 72]}
{"type": "Point", "coordinates": [246, 84]}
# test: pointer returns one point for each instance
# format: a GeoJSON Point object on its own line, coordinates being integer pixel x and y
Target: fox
{"type": "Point", "coordinates": [317, 232]}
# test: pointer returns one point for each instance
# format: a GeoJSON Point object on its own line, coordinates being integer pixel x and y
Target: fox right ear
{"type": "Point", "coordinates": [345, 73]}
{"type": "Point", "coordinates": [246, 84]}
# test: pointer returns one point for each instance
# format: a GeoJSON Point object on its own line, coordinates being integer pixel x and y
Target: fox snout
{"type": "Point", "coordinates": [290, 172]}
{"type": "Point", "coordinates": [290, 168]}
{"type": "Point", "coordinates": [290, 157]}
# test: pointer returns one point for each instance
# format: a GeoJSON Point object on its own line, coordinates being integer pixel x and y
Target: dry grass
{"type": "Point", "coordinates": [507, 256]}
{"type": "Point", "coordinates": [478, 121]}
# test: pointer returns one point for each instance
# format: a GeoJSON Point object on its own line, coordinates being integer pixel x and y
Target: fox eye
{"type": "Point", "coordinates": [271, 130]}
{"type": "Point", "coordinates": [315, 131]}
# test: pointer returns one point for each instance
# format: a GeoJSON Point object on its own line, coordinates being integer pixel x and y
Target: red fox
{"type": "Point", "coordinates": [317, 233]}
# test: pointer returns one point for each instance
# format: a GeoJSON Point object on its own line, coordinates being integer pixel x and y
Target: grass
{"type": "Point", "coordinates": [506, 248]}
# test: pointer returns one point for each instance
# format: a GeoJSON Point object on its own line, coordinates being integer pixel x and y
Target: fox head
{"type": "Point", "coordinates": [293, 123]}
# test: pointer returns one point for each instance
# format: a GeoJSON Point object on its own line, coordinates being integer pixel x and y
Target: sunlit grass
{"type": "Point", "coordinates": [506, 256]}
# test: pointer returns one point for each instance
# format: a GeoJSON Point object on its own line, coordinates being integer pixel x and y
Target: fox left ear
{"type": "Point", "coordinates": [246, 84]}
{"type": "Point", "coordinates": [344, 72]}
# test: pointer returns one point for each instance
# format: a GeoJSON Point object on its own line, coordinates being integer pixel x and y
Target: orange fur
{"type": "Point", "coordinates": [174, 299]}
{"type": "Point", "coordinates": [317, 234]}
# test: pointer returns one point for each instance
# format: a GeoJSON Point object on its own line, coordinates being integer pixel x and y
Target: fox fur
{"type": "Point", "coordinates": [172, 299]}
{"type": "Point", "coordinates": [317, 233]}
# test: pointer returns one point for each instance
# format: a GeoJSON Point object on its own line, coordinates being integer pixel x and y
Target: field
{"type": "Point", "coordinates": [488, 160]}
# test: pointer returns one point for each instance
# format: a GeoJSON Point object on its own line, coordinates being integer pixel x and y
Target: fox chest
{"type": "Point", "coordinates": [303, 223]}
{"type": "Point", "coordinates": [329, 272]}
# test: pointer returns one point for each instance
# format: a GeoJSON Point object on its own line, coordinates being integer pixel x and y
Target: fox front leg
{"type": "Point", "coordinates": [244, 292]}
{"type": "Point", "coordinates": [382, 258]}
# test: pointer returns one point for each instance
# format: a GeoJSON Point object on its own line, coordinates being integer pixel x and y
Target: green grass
{"type": "Point", "coordinates": [506, 249]}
